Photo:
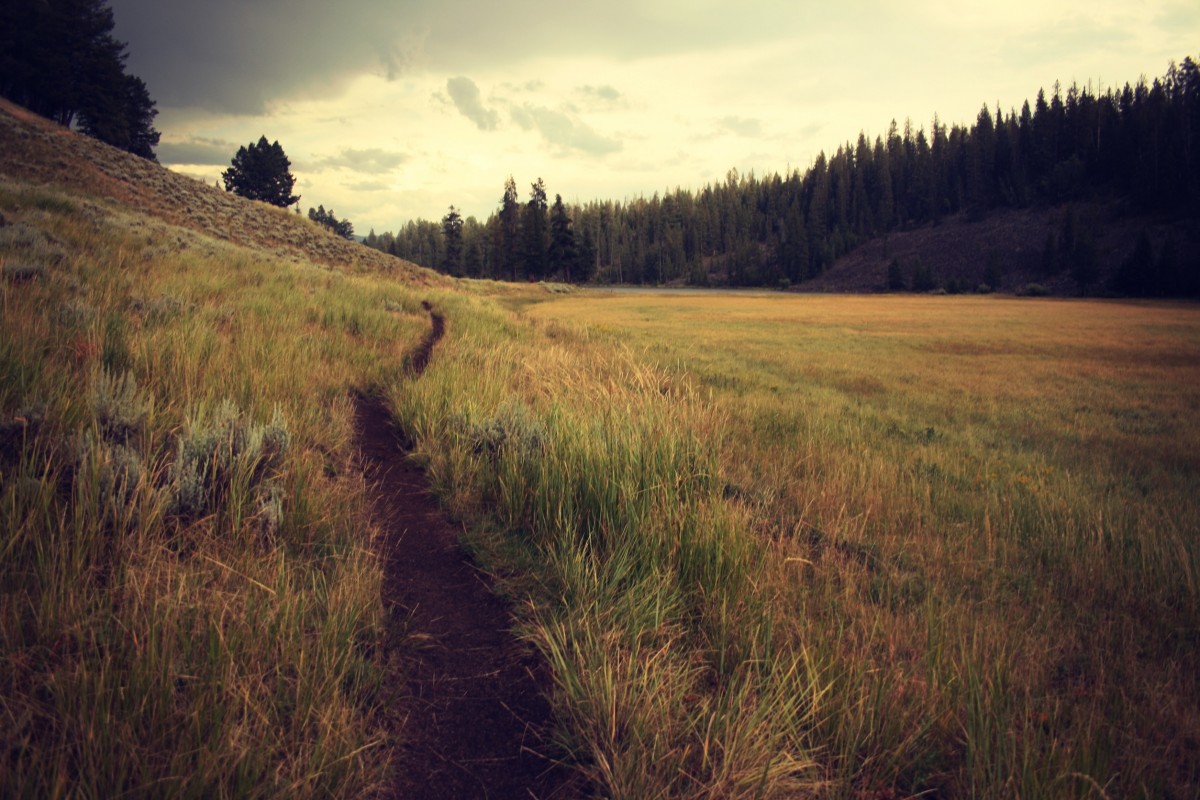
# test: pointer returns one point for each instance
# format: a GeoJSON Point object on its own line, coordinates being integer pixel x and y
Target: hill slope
{"type": "Point", "coordinates": [37, 150]}
{"type": "Point", "coordinates": [190, 603]}
{"type": "Point", "coordinates": [1008, 244]}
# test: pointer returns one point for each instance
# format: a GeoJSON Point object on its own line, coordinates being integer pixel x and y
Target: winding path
{"type": "Point", "coordinates": [474, 717]}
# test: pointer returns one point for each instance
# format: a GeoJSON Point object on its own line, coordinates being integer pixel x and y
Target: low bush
{"type": "Point", "coordinates": [227, 465]}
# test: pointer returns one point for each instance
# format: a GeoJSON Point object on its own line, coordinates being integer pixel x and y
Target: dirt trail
{"type": "Point", "coordinates": [474, 716]}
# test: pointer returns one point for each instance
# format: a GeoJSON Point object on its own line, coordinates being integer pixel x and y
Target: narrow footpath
{"type": "Point", "coordinates": [474, 718]}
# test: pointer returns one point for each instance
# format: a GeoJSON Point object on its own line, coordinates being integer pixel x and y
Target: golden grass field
{"type": "Point", "coordinates": [980, 519]}
{"type": "Point", "coordinates": [770, 545]}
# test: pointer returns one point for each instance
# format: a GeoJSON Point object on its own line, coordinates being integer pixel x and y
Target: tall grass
{"type": "Point", "coordinates": [600, 479]}
{"type": "Point", "coordinates": [979, 521]}
{"type": "Point", "coordinates": [190, 605]}
{"type": "Point", "coordinates": [769, 547]}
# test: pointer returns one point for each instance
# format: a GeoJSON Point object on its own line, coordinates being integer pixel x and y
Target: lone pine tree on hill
{"type": "Point", "coordinates": [262, 172]}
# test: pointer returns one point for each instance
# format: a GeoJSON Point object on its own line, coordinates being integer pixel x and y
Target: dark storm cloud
{"type": "Point", "coordinates": [467, 100]}
{"type": "Point", "coordinates": [236, 56]}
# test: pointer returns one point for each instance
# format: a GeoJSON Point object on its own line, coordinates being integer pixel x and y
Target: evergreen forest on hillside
{"type": "Point", "coordinates": [1138, 146]}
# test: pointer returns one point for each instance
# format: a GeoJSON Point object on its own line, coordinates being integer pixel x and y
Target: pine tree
{"type": "Point", "coordinates": [508, 230]}
{"type": "Point", "coordinates": [534, 233]}
{"type": "Point", "coordinates": [1051, 263]}
{"type": "Point", "coordinates": [588, 256]}
{"type": "Point", "coordinates": [261, 172]}
{"type": "Point", "coordinates": [58, 58]}
{"type": "Point", "coordinates": [328, 219]}
{"type": "Point", "coordinates": [562, 241]}
{"type": "Point", "coordinates": [923, 279]}
{"type": "Point", "coordinates": [1136, 274]}
{"type": "Point", "coordinates": [452, 233]}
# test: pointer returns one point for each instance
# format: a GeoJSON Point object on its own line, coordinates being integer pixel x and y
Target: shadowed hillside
{"type": "Point", "coordinates": [1006, 250]}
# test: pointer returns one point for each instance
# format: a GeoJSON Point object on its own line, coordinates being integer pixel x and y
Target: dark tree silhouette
{"type": "Point", "coordinates": [534, 231]}
{"type": "Point", "coordinates": [342, 227]}
{"type": "Point", "coordinates": [58, 59]}
{"type": "Point", "coordinates": [452, 232]}
{"type": "Point", "coordinates": [562, 241]}
{"type": "Point", "coordinates": [262, 172]}
{"type": "Point", "coordinates": [1137, 274]}
{"type": "Point", "coordinates": [508, 230]}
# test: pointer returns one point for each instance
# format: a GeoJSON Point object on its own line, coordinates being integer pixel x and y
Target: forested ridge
{"type": "Point", "coordinates": [1138, 146]}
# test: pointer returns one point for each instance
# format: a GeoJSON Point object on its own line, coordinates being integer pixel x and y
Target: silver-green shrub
{"type": "Point", "coordinates": [227, 465]}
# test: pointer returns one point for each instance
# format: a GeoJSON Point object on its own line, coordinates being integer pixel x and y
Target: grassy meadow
{"type": "Point", "coordinates": [974, 518]}
{"type": "Point", "coordinates": [781, 546]}
{"type": "Point", "coordinates": [770, 545]}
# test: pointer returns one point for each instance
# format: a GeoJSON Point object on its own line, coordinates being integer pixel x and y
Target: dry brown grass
{"type": "Point", "coordinates": [189, 603]}
{"type": "Point", "coordinates": [981, 514]}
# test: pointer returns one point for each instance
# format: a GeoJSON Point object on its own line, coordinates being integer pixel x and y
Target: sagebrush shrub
{"type": "Point", "coordinates": [120, 407]}
{"type": "Point", "coordinates": [227, 463]}
{"type": "Point", "coordinates": [514, 427]}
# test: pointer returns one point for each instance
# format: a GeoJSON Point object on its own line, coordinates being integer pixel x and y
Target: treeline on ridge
{"type": "Point", "coordinates": [1141, 143]}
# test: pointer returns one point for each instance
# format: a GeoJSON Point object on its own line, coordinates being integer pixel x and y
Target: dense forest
{"type": "Point", "coordinates": [1139, 144]}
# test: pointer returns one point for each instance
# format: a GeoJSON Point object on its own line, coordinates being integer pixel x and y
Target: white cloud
{"type": "Point", "coordinates": [603, 95]}
{"type": "Point", "coordinates": [369, 186]}
{"type": "Point", "coordinates": [563, 131]}
{"type": "Point", "coordinates": [741, 126]}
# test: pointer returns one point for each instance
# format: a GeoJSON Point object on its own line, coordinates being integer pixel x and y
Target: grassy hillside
{"type": "Point", "coordinates": [37, 151]}
{"type": "Point", "coordinates": [190, 604]}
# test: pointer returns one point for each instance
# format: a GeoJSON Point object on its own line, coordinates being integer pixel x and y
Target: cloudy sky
{"type": "Point", "coordinates": [395, 109]}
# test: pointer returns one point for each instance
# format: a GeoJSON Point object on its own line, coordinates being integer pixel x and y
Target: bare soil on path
{"type": "Point", "coordinates": [474, 716]}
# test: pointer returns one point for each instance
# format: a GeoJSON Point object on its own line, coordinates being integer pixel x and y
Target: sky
{"type": "Point", "coordinates": [392, 110]}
